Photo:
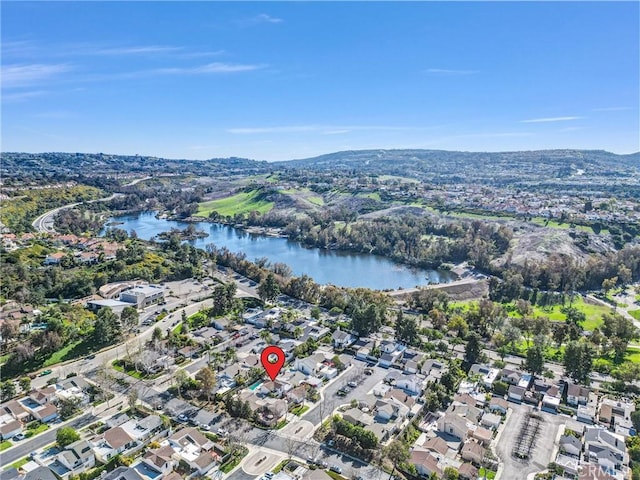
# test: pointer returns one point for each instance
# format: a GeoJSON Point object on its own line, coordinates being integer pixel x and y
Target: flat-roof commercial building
{"type": "Point", "coordinates": [143, 295]}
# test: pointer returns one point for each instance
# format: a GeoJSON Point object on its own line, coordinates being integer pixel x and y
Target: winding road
{"type": "Point", "coordinates": [45, 222]}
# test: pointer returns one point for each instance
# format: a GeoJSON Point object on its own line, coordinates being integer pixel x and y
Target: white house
{"type": "Point", "coordinates": [410, 384]}
{"type": "Point", "coordinates": [77, 457]}
{"type": "Point", "coordinates": [160, 459]}
{"type": "Point", "coordinates": [454, 425]}
{"type": "Point", "coordinates": [10, 429]}
{"type": "Point", "coordinates": [113, 442]}
{"type": "Point", "coordinates": [342, 339]}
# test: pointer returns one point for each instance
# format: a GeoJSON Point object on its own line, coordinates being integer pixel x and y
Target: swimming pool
{"type": "Point", "coordinates": [255, 385]}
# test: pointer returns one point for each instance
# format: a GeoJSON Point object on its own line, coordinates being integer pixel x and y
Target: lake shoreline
{"type": "Point", "coordinates": [335, 266]}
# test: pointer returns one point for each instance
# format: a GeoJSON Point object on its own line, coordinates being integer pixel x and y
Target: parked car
{"type": "Point", "coordinates": [352, 384]}
{"type": "Point", "coordinates": [44, 373]}
{"type": "Point", "coordinates": [335, 468]}
{"type": "Point", "coordinates": [19, 437]}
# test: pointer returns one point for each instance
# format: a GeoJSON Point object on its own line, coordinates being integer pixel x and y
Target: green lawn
{"type": "Point", "coordinates": [241, 203]}
{"type": "Point", "coordinates": [592, 312]}
{"type": "Point", "coordinates": [42, 427]}
{"type": "Point", "coordinates": [61, 354]}
{"type": "Point", "coordinates": [19, 463]}
{"type": "Point", "coordinates": [4, 445]}
{"type": "Point", "coordinates": [486, 473]}
{"type": "Point", "coordinates": [300, 410]}
{"type": "Point", "coordinates": [635, 314]}
{"type": "Point", "coordinates": [334, 475]}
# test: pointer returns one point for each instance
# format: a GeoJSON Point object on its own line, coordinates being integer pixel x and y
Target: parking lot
{"type": "Point", "coordinates": [543, 443]}
{"type": "Point", "coordinates": [332, 400]}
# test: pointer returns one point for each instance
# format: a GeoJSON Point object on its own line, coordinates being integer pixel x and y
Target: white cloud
{"type": "Point", "coordinates": [216, 67]}
{"type": "Point", "coordinates": [264, 18]}
{"type": "Point", "coordinates": [446, 71]}
{"type": "Point", "coordinates": [25, 75]}
{"type": "Point", "coordinates": [550, 119]}
{"type": "Point", "coordinates": [137, 50]}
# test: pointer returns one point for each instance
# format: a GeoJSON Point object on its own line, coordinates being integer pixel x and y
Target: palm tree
{"type": "Point", "coordinates": [266, 336]}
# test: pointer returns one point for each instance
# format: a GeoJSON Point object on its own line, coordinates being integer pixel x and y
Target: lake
{"type": "Point", "coordinates": [346, 269]}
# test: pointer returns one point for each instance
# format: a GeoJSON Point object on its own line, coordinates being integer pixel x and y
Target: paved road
{"type": "Point", "coordinates": [330, 400]}
{"type": "Point", "coordinates": [25, 447]}
{"type": "Point", "coordinates": [271, 439]}
{"type": "Point", "coordinates": [45, 222]}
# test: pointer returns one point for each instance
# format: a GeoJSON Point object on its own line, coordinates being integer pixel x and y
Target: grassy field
{"type": "Point", "coordinates": [592, 312]}
{"type": "Point", "coordinates": [4, 445]}
{"type": "Point", "coordinates": [635, 314]}
{"type": "Point", "coordinates": [372, 195]}
{"type": "Point", "coordinates": [240, 203]}
{"type": "Point", "coordinates": [316, 200]}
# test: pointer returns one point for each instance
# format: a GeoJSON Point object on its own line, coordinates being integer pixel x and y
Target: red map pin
{"type": "Point", "coordinates": [272, 359]}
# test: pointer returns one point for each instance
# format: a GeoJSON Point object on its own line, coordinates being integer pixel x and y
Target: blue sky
{"type": "Point", "coordinates": [276, 81]}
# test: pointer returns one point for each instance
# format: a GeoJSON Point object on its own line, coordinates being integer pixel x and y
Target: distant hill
{"type": "Point", "coordinates": [429, 165]}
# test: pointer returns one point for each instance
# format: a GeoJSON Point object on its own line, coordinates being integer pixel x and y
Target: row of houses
{"type": "Point", "coordinates": [127, 435]}
{"type": "Point", "coordinates": [40, 405]}
{"type": "Point", "coordinates": [458, 438]}
{"type": "Point", "coordinates": [595, 451]}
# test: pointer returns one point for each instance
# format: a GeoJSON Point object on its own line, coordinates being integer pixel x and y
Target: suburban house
{"type": "Point", "coordinates": [276, 388]}
{"type": "Point", "coordinates": [45, 414]}
{"type": "Point", "coordinates": [497, 404]}
{"type": "Point", "coordinates": [570, 445]}
{"type": "Point", "coordinates": [577, 395]}
{"type": "Point", "coordinates": [342, 339]}
{"type": "Point", "coordinates": [297, 395]}
{"type": "Point", "coordinates": [10, 429]}
{"type": "Point", "coordinates": [473, 452]}
{"type": "Point", "coordinates": [510, 377]}
{"type": "Point", "coordinates": [516, 394]}
{"type": "Point", "coordinates": [454, 425]}
{"type": "Point", "coordinates": [425, 463]}
{"type": "Point", "coordinates": [487, 374]}
{"type": "Point", "coordinates": [77, 457]}
{"type": "Point", "coordinates": [113, 442]}
{"type": "Point", "coordinates": [160, 459]}
{"type": "Point", "coordinates": [410, 384]}
{"type": "Point", "coordinates": [195, 449]}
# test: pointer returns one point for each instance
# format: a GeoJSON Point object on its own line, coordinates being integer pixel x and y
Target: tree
{"type": "Point", "coordinates": [473, 349]}
{"type": "Point", "coordinates": [129, 318]}
{"type": "Point", "coordinates": [25, 384]}
{"type": "Point", "coordinates": [208, 379]}
{"type": "Point", "coordinates": [451, 473]}
{"type": "Point", "coordinates": [620, 331]}
{"type": "Point", "coordinates": [8, 390]}
{"type": "Point", "coordinates": [66, 436]}
{"type": "Point", "coordinates": [534, 363]}
{"type": "Point", "coordinates": [609, 284]}
{"type": "Point", "coordinates": [269, 289]}
{"type": "Point", "coordinates": [266, 336]}
{"type": "Point", "coordinates": [406, 328]}
{"type": "Point", "coordinates": [68, 407]}
{"type": "Point", "coordinates": [132, 398]}
{"type": "Point", "coordinates": [315, 312]}
{"type": "Point", "coordinates": [397, 452]}
{"type": "Point", "coordinates": [107, 328]}
{"type": "Point", "coordinates": [459, 325]}
{"type": "Point", "coordinates": [578, 361]}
